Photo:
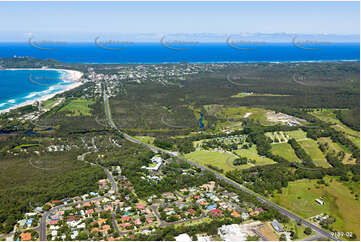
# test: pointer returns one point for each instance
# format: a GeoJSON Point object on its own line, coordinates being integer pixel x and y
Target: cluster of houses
{"type": "Point", "coordinates": [130, 215]}
{"type": "Point", "coordinates": [162, 74]}
{"type": "Point", "coordinates": [219, 143]}
{"type": "Point", "coordinates": [207, 200]}
{"type": "Point", "coordinates": [137, 217]}
{"type": "Point", "coordinates": [114, 216]}
{"type": "Point", "coordinates": [88, 217]}
{"type": "Point", "coordinates": [30, 220]}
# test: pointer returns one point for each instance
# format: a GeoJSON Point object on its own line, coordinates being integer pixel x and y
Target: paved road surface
{"type": "Point", "coordinates": [281, 210]}
{"type": "Point", "coordinates": [47, 213]}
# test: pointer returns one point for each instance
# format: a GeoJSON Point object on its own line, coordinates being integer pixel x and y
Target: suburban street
{"type": "Point", "coordinates": [45, 216]}
{"type": "Point", "coordinates": [281, 210]}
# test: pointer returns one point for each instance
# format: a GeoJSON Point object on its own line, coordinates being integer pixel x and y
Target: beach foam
{"type": "Point", "coordinates": [70, 79]}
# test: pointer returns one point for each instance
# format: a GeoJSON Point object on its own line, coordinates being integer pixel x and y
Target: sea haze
{"type": "Point", "coordinates": [19, 86]}
{"type": "Point", "coordinates": [184, 52]}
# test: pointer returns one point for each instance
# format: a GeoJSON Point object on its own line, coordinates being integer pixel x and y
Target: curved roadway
{"type": "Point", "coordinates": [47, 213]}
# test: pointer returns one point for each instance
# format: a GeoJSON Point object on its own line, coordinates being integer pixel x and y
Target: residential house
{"type": "Point", "coordinates": [25, 236]}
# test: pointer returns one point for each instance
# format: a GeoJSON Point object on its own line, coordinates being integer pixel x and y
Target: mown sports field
{"type": "Point", "coordinates": [77, 107]}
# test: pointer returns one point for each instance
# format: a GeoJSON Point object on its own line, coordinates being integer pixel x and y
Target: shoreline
{"type": "Point", "coordinates": [73, 75]}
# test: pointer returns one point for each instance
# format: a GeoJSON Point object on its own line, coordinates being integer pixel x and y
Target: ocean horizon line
{"type": "Point", "coordinates": [263, 42]}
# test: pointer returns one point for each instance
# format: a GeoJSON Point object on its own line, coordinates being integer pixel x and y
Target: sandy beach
{"type": "Point", "coordinates": [74, 76]}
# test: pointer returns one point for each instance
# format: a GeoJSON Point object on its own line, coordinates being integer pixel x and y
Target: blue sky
{"type": "Point", "coordinates": [81, 18]}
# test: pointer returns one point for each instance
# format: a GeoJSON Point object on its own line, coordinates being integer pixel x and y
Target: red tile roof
{"type": "Point", "coordinates": [216, 212]}
{"type": "Point", "coordinates": [90, 211]}
{"type": "Point", "coordinates": [139, 206]}
{"type": "Point", "coordinates": [52, 222]}
{"type": "Point", "coordinates": [126, 225]}
{"type": "Point", "coordinates": [123, 219]}
{"type": "Point", "coordinates": [25, 236]}
{"type": "Point", "coordinates": [192, 211]}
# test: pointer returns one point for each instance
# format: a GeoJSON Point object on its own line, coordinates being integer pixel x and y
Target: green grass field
{"type": "Point", "coordinates": [49, 103]}
{"type": "Point", "coordinates": [240, 112]}
{"type": "Point", "coordinates": [286, 151]}
{"type": "Point", "coordinates": [78, 107]}
{"type": "Point", "coordinates": [300, 196]}
{"type": "Point", "coordinates": [218, 159]}
{"type": "Point", "coordinates": [251, 153]}
{"type": "Point", "coordinates": [311, 148]}
{"type": "Point", "coordinates": [296, 134]}
{"type": "Point", "coordinates": [233, 115]}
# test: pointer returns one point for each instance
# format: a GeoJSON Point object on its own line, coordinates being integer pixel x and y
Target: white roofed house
{"type": "Point", "coordinates": [155, 159]}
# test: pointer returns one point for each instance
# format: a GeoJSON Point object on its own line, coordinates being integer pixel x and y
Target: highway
{"type": "Point", "coordinates": [281, 210]}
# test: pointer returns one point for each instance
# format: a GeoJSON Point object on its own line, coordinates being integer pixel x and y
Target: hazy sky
{"type": "Point", "coordinates": [179, 17]}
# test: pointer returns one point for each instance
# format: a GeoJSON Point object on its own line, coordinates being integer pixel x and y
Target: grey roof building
{"type": "Point", "coordinates": [277, 226]}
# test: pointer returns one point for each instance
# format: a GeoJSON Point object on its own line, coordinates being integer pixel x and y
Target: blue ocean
{"type": "Point", "coordinates": [197, 53]}
{"type": "Point", "coordinates": [17, 87]}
